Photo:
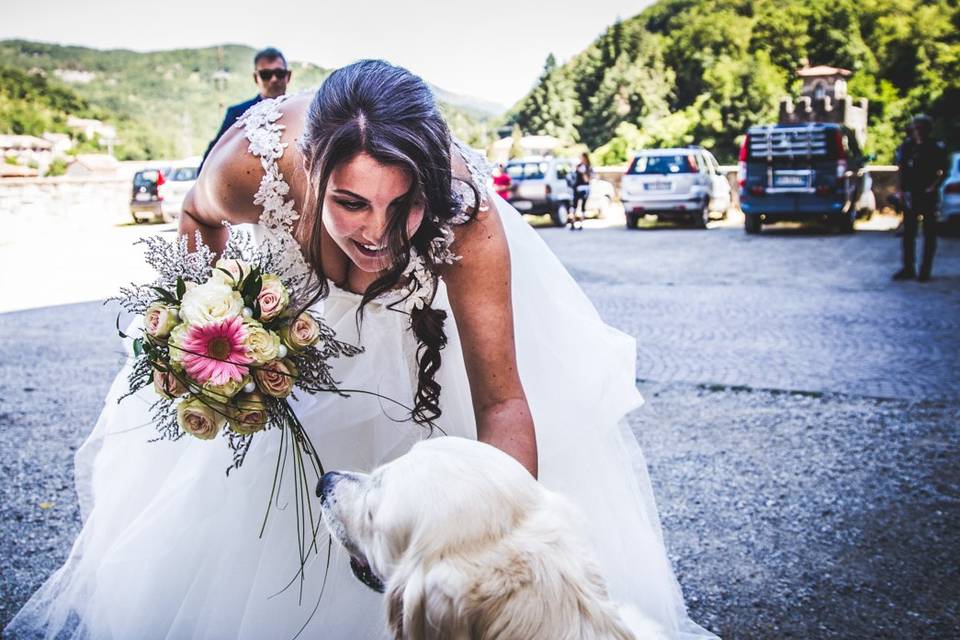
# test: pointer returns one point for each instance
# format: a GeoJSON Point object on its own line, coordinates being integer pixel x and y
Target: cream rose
{"type": "Point", "coordinates": [175, 343]}
{"type": "Point", "coordinates": [223, 392]}
{"type": "Point", "coordinates": [198, 419]}
{"type": "Point", "coordinates": [303, 332]}
{"type": "Point", "coordinates": [276, 378]}
{"type": "Point", "coordinates": [273, 297]}
{"type": "Point", "coordinates": [210, 302]}
{"type": "Point", "coordinates": [167, 384]}
{"type": "Point", "coordinates": [236, 268]}
{"type": "Point", "coordinates": [262, 345]}
{"type": "Point", "coordinates": [250, 414]}
{"type": "Point", "coordinates": [159, 320]}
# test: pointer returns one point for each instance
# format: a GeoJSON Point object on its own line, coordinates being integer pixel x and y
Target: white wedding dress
{"type": "Point", "coordinates": [170, 548]}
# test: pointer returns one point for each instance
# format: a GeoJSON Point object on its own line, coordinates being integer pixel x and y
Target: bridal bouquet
{"type": "Point", "coordinates": [225, 343]}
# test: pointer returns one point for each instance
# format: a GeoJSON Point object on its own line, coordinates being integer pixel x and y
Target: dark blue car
{"type": "Point", "coordinates": [800, 172]}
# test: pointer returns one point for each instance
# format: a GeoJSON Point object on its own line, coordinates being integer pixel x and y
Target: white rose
{"type": "Point", "coordinates": [262, 345]}
{"type": "Point", "coordinates": [210, 302]}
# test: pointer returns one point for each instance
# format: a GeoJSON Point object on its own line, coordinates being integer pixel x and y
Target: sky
{"type": "Point", "coordinates": [493, 50]}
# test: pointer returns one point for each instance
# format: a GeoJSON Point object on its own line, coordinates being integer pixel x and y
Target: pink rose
{"type": "Point", "coordinates": [250, 414]}
{"type": "Point", "coordinates": [303, 332]}
{"type": "Point", "coordinates": [159, 320]}
{"type": "Point", "coordinates": [276, 378]}
{"type": "Point", "coordinates": [199, 418]}
{"type": "Point", "coordinates": [273, 297]}
{"type": "Point", "coordinates": [167, 384]}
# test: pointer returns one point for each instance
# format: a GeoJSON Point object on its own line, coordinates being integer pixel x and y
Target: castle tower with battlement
{"type": "Point", "coordinates": [824, 98]}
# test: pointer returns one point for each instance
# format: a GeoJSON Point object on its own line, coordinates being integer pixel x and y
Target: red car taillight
{"type": "Point", "coordinates": [952, 187]}
{"type": "Point", "coordinates": [742, 161]}
{"type": "Point", "coordinates": [758, 190]}
{"type": "Point", "coordinates": [841, 155]}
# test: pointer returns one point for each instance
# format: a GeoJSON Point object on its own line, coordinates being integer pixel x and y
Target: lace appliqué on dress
{"type": "Point", "coordinates": [261, 129]}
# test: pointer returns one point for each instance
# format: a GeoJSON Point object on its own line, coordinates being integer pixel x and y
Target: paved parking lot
{"type": "Point", "coordinates": [801, 425]}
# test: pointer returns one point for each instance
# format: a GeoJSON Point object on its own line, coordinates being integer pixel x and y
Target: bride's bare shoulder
{"type": "Point", "coordinates": [231, 174]}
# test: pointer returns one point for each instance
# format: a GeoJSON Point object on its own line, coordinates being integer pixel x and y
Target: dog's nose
{"type": "Point", "coordinates": [326, 483]}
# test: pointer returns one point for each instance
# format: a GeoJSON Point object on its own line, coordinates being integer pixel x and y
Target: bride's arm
{"type": "Point", "coordinates": [479, 289]}
{"type": "Point", "coordinates": [223, 193]}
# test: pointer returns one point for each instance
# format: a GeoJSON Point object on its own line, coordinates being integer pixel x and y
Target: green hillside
{"type": "Point", "coordinates": [701, 71]}
{"type": "Point", "coordinates": [163, 103]}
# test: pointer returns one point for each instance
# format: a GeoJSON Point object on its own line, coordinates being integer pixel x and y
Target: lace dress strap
{"type": "Point", "coordinates": [479, 176]}
{"type": "Point", "coordinates": [262, 129]}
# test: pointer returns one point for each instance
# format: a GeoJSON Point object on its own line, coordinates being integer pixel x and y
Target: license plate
{"type": "Point", "coordinates": [657, 186]}
{"type": "Point", "coordinates": [789, 181]}
{"type": "Point", "coordinates": [143, 197]}
{"type": "Point", "coordinates": [522, 205]}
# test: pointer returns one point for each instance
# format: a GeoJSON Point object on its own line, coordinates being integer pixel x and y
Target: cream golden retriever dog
{"type": "Point", "coordinates": [466, 545]}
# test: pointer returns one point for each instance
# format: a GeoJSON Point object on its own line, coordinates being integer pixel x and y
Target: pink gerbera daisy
{"type": "Point", "coordinates": [216, 352]}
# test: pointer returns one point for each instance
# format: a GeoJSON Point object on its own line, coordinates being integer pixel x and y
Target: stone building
{"type": "Point", "coordinates": [824, 98]}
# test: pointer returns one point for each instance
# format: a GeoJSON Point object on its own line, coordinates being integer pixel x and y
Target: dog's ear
{"type": "Point", "coordinates": [424, 606]}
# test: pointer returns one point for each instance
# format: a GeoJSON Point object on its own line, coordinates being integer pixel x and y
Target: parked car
{"type": "Point", "coordinates": [600, 198]}
{"type": "Point", "coordinates": [178, 181]}
{"type": "Point", "coordinates": [674, 184]}
{"type": "Point", "coordinates": [146, 202]}
{"type": "Point", "coordinates": [800, 172]}
{"type": "Point", "coordinates": [538, 185]}
{"type": "Point", "coordinates": [950, 204]}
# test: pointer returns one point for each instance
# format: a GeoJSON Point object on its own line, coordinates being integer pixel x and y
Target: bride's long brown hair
{"type": "Point", "coordinates": [385, 111]}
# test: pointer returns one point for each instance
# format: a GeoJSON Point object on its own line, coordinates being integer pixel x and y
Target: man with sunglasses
{"type": "Point", "coordinates": [271, 75]}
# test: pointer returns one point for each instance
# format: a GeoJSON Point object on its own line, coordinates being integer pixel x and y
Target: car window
{"type": "Point", "coordinates": [142, 178]}
{"type": "Point", "coordinates": [643, 164]}
{"type": "Point", "coordinates": [712, 164]}
{"type": "Point", "coordinates": [562, 171]}
{"type": "Point", "coordinates": [184, 174]}
{"type": "Point", "coordinates": [527, 170]}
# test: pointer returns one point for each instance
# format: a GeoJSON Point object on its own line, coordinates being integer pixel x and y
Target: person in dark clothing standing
{"type": "Point", "coordinates": [582, 175]}
{"type": "Point", "coordinates": [271, 76]}
{"type": "Point", "coordinates": [901, 152]}
{"type": "Point", "coordinates": [923, 167]}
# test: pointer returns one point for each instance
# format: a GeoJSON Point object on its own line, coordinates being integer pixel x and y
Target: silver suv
{"type": "Point", "coordinates": [674, 184]}
{"type": "Point", "coordinates": [538, 185]}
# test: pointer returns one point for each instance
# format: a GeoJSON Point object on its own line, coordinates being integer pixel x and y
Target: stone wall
{"type": "Point", "coordinates": [63, 201]}
{"type": "Point", "coordinates": [72, 202]}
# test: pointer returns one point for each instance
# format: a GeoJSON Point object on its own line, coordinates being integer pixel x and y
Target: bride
{"type": "Point", "coordinates": [463, 314]}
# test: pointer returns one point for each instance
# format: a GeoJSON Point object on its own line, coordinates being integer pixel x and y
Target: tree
{"type": "Point", "coordinates": [550, 109]}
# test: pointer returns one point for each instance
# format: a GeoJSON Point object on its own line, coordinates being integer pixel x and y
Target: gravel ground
{"type": "Point", "coordinates": [791, 515]}
{"type": "Point", "coordinates": [789, 510]}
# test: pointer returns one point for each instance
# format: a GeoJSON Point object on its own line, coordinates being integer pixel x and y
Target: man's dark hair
{"type": "Point", "coordinates": [269, 54]}
{"type": "Point", "coordinates": [923, 122]}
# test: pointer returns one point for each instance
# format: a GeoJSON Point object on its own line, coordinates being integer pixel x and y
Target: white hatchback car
{"type": "Point", "coordinates": [674, 184]}
{"type": "Point", "coordinates": [178, 181]}
{"type": "Point", "coordinates": [950, 203]}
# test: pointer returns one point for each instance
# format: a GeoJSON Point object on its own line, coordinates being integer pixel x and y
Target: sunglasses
{"type": "Point", "coordinates": [279, 74]}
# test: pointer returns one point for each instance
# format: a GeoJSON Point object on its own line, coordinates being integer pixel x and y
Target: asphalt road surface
{"type": "Point", "coordinates": [801, 424]}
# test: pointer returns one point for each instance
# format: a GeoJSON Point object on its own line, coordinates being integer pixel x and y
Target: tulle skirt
{"type": "Point", "coordinates": [171, 547]}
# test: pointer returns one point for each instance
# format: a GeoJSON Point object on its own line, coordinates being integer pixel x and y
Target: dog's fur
{"type": "Point", "coordinates": [470, 547]}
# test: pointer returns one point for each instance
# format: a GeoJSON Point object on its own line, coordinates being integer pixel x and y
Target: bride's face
{"type": "Point", "coordinates": [361, 196]}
